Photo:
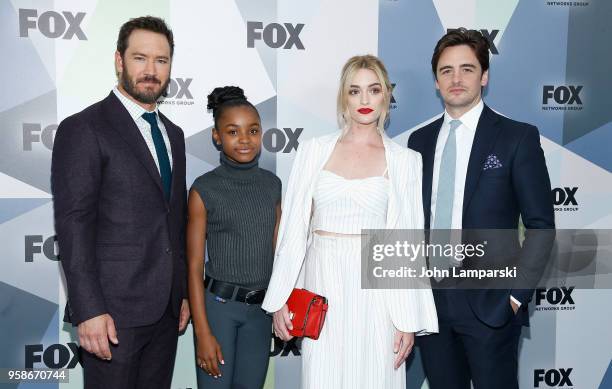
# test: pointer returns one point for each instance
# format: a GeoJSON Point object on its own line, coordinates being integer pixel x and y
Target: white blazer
{"type": "Point", "coordinates": [411, 310]}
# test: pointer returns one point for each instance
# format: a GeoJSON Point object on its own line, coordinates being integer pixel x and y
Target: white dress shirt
{"type": "Point", "coordinates": [136, 112]}
{"type": "Point", "coordinates": [464, 136]}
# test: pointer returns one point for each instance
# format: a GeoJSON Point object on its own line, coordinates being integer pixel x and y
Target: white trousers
{"type": "Point", "coordinates": [355, 349]}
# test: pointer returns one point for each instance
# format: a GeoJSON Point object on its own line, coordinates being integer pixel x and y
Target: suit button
{"type": "Point", "coordinates": [168, 251]}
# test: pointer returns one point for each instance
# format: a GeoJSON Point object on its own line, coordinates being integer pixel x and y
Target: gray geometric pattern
{"type": "Point", "coordinates": [588, 63]}
{"type": "Point", "coordinates": [27, 140]}
{"type": "Point", "coordinates": [33, 315]}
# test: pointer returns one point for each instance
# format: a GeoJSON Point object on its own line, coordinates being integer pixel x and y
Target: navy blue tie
{"type": "Point", "coordinates": [161, 151]}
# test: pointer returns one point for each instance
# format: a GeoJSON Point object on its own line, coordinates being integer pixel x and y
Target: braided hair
{"type": "Point", "coordinates": [225, 97]}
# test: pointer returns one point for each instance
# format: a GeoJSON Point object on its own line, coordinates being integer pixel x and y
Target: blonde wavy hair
{"type": "Point", "coordinates": [349, 69]}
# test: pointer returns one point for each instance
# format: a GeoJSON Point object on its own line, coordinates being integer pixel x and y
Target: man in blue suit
{"type": "Point", "coordinates": [481, 170]}
{"type": "Point", "coordinates": [118, 180]}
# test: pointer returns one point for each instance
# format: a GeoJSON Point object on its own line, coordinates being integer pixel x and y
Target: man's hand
{"type": "Point", "coordinates": [184, 315]}
{"type": "Point", "coordinates": [95, 333]}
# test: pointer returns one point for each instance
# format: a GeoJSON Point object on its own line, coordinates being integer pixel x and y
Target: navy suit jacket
{"type": "Point", "coordinates": [122, 244]}
{"type": "Point", "coordinates": [496, 198]}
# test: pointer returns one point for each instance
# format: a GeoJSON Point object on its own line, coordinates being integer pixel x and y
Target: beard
{"type": "Point", "coordinates": [146, 96]}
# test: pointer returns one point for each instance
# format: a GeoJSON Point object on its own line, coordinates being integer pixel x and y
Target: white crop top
{"type": "Point", "coordinates": [345, 206]}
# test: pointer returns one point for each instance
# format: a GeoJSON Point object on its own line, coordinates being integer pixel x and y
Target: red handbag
{"type": "Point", "coordinates": [307, 311]}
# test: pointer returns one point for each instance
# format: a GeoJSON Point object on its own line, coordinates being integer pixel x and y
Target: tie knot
{"type": "Point", "coordinates": [150, 117]}
{"type": "Point", "coordinates": [454, 124]}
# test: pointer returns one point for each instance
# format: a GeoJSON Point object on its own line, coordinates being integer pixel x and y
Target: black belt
{"type": "Point", "coordinates": [229, 291]}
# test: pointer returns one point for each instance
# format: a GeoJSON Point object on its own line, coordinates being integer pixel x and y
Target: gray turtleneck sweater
{"type": "Point", "coordinates": [240, 201]}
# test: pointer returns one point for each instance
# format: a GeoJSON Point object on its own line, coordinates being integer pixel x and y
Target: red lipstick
{"type": "Point", "coordinates": [365, 111]}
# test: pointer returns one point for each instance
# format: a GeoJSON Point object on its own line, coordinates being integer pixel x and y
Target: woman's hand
{"type": "Point", "coordinates": [208, 355]}
{"type": "Point", "coordinates": [402, 346]}
{"type": "Point", "coordinates": [282, 323]}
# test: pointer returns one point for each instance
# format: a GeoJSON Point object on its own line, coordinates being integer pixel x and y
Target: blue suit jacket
{"type": "Point", "coordinates": [122, 243]}
{"type": "Point", "coordinates": [496, 198]}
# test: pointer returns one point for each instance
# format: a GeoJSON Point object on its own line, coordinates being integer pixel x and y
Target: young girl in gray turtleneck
{"type": "Point", "coordinates": [234, 212]}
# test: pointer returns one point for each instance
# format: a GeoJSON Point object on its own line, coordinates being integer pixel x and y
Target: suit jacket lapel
{"type": "Point", "coordinates": [484, 140]}
{"type": "Point", "coordinates": [124, 125]}
{"type": "Point", "coordinates": [321, 152]}
{"type": "Point", "coordinates": [392, 208]}
{"type": "Point", "coordinates": [429, 153]}
{"type": "Point", "coordinates": [398, 190]}
{"type": "Point", "coordinates": [327, 149]}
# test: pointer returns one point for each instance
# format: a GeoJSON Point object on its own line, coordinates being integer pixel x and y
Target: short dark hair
{"type": "Point", "coordinates": [462, 36]}
{"type": "Point", "coordinates": [148, 23]}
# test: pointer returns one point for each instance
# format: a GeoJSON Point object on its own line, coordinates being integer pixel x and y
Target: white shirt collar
{"type": "Point", "coordinates": [133, 109]}
{"type": "Point", "coordinates": [468, 119]}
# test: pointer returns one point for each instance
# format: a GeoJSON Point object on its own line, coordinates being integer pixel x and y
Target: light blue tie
{"type": "Point", "coordinates": [446, 181]}
{"type": "Point", "coordinates": [445, 196]}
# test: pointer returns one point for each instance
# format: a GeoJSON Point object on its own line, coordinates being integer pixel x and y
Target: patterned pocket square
{"type": "Point", "coordinates": [492, 162]}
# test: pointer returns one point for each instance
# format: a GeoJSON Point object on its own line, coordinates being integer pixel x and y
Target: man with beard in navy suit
{"type": "Point", "coordinates": [118, 181]}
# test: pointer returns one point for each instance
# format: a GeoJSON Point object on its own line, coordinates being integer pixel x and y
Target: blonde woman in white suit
{"type": "Point", "coordinates": [354, 179]}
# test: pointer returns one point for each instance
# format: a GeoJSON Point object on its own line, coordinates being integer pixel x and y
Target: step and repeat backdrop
{"type": "Point", "coordinates": [550, 66]}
